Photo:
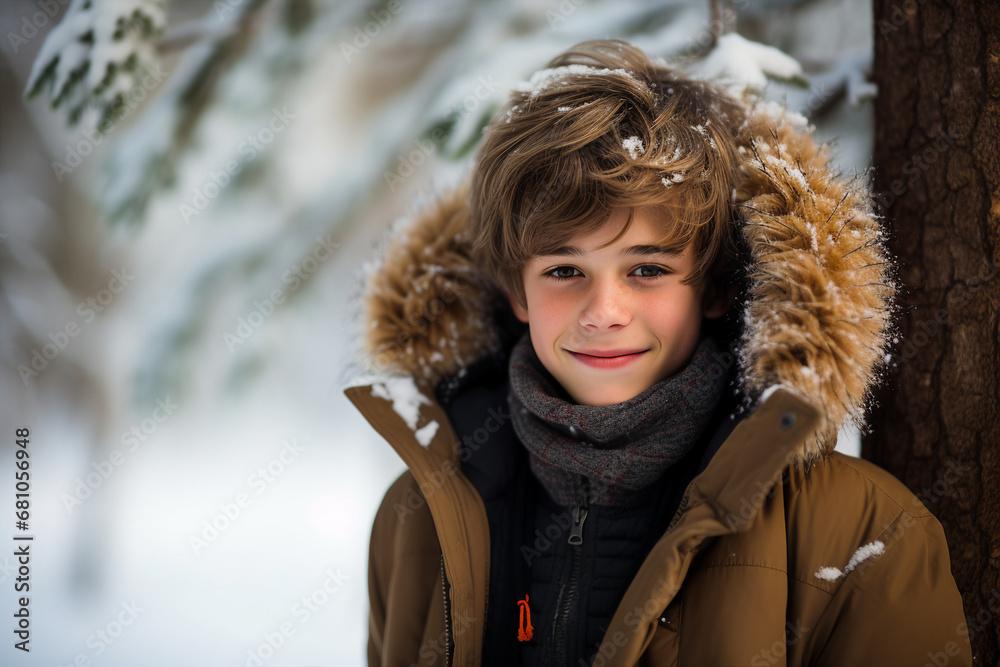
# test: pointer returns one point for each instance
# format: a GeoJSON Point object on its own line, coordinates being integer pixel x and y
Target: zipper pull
{"type": "Point", "coordinates": [579, 516]}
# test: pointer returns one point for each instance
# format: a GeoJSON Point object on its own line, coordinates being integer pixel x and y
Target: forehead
{"type": "Point", "coordinates": [650, 232]}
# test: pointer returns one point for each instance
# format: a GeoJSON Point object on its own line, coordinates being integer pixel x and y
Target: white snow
{"type": "Point", "coordinates": [65, 46]}
{"type": "Point", "coordinates": [870, 550]}
{"type": "Point", "coordinates": [767, 392]}
{"type": "Point", "coordinates": [427, 433]}
{"type": "Point", "coordinates": [779, 112]}
{"type": "Point", "coordinates": [747, 64]}
{"type": "Point", "coordinates": [670, 179]}
{"type": "Point", "coordinates": [634, 147]}
{"type": "Point", "coordinates": [406, 398]}
{"type": "Point", "coordinates": [542, 79]}
{"type": "Point", "coordinates": [828, 573]}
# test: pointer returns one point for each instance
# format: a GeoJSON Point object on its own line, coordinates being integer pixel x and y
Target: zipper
{"type": "Point", "coordinates": [568, 594]}
{"type": "Point", "coordinates": [447, 615]}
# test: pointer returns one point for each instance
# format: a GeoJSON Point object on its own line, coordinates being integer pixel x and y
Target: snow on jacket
{"type": "Point", "coordinates": [782, 552]}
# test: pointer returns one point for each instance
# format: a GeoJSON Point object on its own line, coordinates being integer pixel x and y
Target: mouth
{"type": "Point", "coordinates": [607, 358]}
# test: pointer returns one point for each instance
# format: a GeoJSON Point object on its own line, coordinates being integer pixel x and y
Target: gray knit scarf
{"type": "Point", "coordinates": [618, 449]}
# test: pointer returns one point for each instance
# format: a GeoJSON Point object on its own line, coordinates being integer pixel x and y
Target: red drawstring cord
{"type": "Point", "coordinates": [524, 632]}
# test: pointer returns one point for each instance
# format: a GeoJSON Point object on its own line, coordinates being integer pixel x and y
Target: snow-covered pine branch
{"type": "Point", "coordinates": [145, 158]}
{"type": "Point", "coordinates": [99, 52]}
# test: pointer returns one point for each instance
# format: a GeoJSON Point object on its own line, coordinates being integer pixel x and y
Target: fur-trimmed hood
{"type": "Point", "coordinates": [816, 311]}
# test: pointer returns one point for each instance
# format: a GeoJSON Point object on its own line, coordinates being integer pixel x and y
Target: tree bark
{"type": "Point", "coordinates": [937, 181]}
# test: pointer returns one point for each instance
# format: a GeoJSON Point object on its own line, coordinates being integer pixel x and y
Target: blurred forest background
{"type": "Point", "coordinates": [182, 239]}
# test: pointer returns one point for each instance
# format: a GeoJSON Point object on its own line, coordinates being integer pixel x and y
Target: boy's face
{"type": "Point", "coordinates": [610, 322]}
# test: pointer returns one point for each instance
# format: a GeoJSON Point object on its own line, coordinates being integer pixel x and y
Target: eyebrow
{"type": "Point", "coordinates": [641, 250]}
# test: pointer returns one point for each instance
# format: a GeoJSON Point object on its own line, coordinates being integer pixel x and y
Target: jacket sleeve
{"type": "Point", "coordinates": [899, 608]}
{"type": "Point", "coordinates": [404, 585]}
{"type": "Point", "coordinates": [379, 568]}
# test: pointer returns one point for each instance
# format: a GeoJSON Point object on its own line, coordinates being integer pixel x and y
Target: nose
{"type": "Point", "coordinates": [604, 306]}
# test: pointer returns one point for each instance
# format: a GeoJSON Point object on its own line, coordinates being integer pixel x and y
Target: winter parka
{"type": "Point", "coordinates": [781, 551]}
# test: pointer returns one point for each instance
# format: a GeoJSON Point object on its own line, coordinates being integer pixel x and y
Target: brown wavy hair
{"type": "Point", "coordinates": [605, 127]}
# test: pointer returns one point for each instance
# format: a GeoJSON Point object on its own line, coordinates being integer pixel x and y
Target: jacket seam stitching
{"type": "Point", "coordinates": [885, 493]}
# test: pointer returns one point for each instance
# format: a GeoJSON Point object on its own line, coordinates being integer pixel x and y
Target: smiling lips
{"type": "Point", "coordinates": [609, 358]}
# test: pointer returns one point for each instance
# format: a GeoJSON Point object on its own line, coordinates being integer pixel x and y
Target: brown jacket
{"type": "Point", "coordinates": [781, 552]}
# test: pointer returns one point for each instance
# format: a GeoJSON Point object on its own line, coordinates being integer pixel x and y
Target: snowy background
{"type": "Point", "coordinates": [201, 489]}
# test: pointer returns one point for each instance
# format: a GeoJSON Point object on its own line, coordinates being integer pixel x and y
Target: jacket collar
{"type": "Point", "coordinates": [458, 511]}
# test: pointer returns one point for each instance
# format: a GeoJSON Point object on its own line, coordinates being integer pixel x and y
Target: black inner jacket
{"type": "Point", "coordinates": [530, 554]}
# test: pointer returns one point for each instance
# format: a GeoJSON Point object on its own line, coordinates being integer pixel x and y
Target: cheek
{"type": "Point", "coordinates": [673, 316]}
{"type": "Point", "coordinates": [550, 308]}
{"type": "Point", "coordinates": [551, 316]}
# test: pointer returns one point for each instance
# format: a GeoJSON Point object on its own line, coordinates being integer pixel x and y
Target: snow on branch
{"type": "Point", "coordinates": [749, 65]}
{"type": "Point", "coordinates": [145, 158]}
{"type": "Point", "coordinates": [100, 51]}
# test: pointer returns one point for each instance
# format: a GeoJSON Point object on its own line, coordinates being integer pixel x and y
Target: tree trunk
{"type": "Point", "coordinates": [937, 179]}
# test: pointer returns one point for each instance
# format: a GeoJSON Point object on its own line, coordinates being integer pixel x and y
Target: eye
{"type": "Point", "coordinates": [649, 271]}
{"type": "Point", "coordinates": [563, 272]}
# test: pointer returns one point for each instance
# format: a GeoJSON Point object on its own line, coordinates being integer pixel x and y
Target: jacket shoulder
{"type": "Point", "coordinates": [876, 564]}
{"type": "Point", "coordinates": [844, 511]}
{"type": "Point", "coordinates": [881, 486]}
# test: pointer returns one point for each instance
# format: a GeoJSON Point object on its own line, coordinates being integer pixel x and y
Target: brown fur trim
{"type": "Point", "coordinates": [425, 307]}
{"type": "Point", "coordinates": [821, 283]}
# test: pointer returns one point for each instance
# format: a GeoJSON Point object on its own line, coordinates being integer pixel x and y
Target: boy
{"type": "Point", "coordinates": [644, 473]}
